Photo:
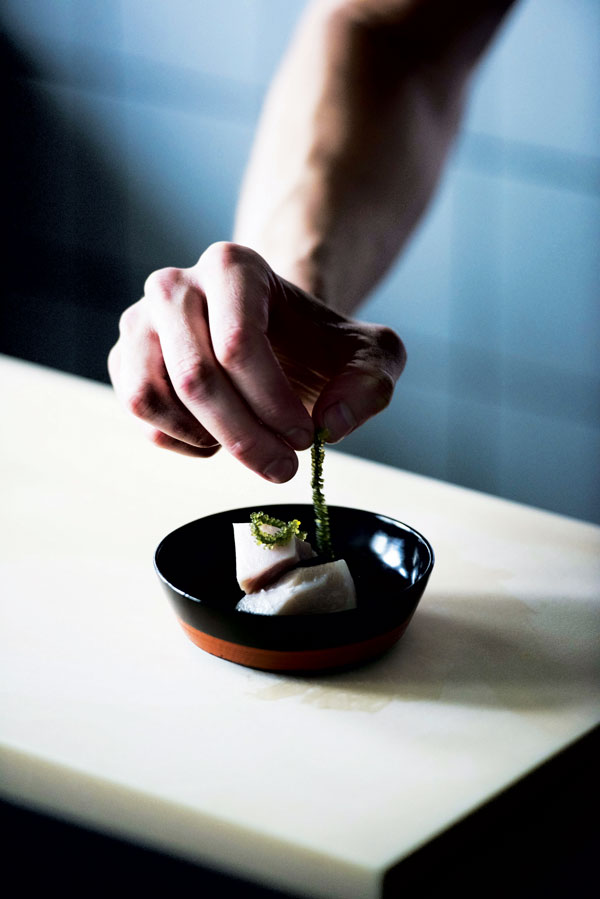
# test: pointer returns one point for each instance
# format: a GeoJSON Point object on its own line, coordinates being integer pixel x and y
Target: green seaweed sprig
{"type": "Point", "coordinates": [286, 530]}
{"type": "Point", "coordinates": [322, 527]}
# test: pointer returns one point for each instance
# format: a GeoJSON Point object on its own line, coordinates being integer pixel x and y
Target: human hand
{"type": "Point", "coordinates": [227, 353]}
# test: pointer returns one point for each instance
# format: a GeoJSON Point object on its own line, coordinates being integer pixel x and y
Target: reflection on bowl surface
{"type": "Point", "coordinates": [389, 561]}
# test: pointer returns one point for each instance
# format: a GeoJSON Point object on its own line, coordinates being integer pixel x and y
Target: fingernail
{"type": "Point", "coordinates": [280, 470]}
{"type": "Point", "coordinates": [298, 438]}
{"type": "Point", "coordinates": [339, 421]}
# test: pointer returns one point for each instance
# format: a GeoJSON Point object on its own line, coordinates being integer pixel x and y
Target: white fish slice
{"type": "Point", "coordinates": [258, 565]}
{"type": "Point", "coordinates": [314, 589]}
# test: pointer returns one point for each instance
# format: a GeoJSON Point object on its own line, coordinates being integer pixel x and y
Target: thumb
{"type": "Point", "coordinates": [363, 388]}
{"type": "Point", "coordinates": [349, 400]}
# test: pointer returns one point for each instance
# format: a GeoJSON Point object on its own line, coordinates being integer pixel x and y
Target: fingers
{"type": "Point", "coordinates": [141, 383]}
{"type": "Point", "coordinates": [225, 353]}
{"type": "Point", "coordinates": [202, 384]}
{"type": "Point", "coordinates": [364, 386]}
{"type": "Point", "coordinates": [237, 285]}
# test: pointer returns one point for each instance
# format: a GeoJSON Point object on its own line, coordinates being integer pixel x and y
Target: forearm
{"type": "Point", "coordinates": [353, 136]}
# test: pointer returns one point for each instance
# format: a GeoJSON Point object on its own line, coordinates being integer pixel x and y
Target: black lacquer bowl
{"type": "Point", "coordinates": [389, 561]}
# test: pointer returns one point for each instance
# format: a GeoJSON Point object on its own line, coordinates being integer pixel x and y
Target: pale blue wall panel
{"type": "Point", "coordinates": [550, 75]}
{"type": "Point", "coordinates": [98, 24]}
{"type": "Point", "coordinates": [485, 93]}
{"type": "Point", "coordinates": [219, 38]}
{"type": "Point", "coordinates": [416, 294]}
{"type": "Point", "coordinates": [473, 442]}
{"type": "Point", "coordinates": [26, 19]}
{"type": "Point", "coordinates": [188, 168]}
{"type": "Point", "coordinates": [474, 286]}
{"type": "Point", "coordinates": [412, 433]}
{"type": "Point", "coordinates": [85, 23]}
{"type": "Point", "coordinates": [550, 276]}
{"type": "Point", "coordinates": [429, 364]}
{"type": "Point", "coordinates": [547, 462]}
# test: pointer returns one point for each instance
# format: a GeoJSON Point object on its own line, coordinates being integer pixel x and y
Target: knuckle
{"type": "Point", "coordinates": [384, 352]}
{"type": "Point", "coordinates": [243, 447]}
{"type": "Point", "coordinates": [128, 320]}
{"type": "Point", "coordinates": [220, 254]}
{"type": "Point", "coordinates": [197, 381]}
{"type": "Point", "coordinates": [225, 254]}
{"type": "Point", "coordinates": [390, 343]}
{"type": "Point", "coordinates": [163, 281]}
{"type": "Point", "coordinates": [144, 402]}
{"type": "Point", "coordinates": [236, 349]}
{"type": "Point", "coordinates": [217, 254]}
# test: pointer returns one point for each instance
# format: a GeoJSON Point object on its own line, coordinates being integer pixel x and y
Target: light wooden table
{"type": "Point", "coordinates": [111, 718]}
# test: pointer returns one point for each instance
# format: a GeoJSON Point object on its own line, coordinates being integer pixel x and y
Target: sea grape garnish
{"type": "Point", "coordinates": [286, 530]}
{"type": "Point", "coordinates": [323, 531]}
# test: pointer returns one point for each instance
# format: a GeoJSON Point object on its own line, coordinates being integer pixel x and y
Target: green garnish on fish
{"type": "Point", "coordinates": [284, 533]}
{"type": "Point", "coordinates": [269, 531]}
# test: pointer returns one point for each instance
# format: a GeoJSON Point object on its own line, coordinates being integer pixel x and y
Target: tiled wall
{"type": "Point", "coordinates": [132, 120]}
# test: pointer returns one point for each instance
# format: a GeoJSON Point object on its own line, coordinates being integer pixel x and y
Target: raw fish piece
{"type": "Point", "coordinates": [316, 588]}
{"type": "Point", "coordinates": [258, 565]}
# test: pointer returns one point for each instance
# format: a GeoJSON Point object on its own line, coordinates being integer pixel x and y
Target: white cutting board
{"type": "Point", "coordinates": [109, 716]}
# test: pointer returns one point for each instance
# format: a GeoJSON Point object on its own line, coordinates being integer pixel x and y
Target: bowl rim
{"type": "Point", "coordinates": [274, 506]}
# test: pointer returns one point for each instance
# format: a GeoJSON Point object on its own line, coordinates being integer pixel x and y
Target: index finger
{"type": "Point", "coordinates": [239, 289]}
{"type": "Point", "coordinates": [201, 383]}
